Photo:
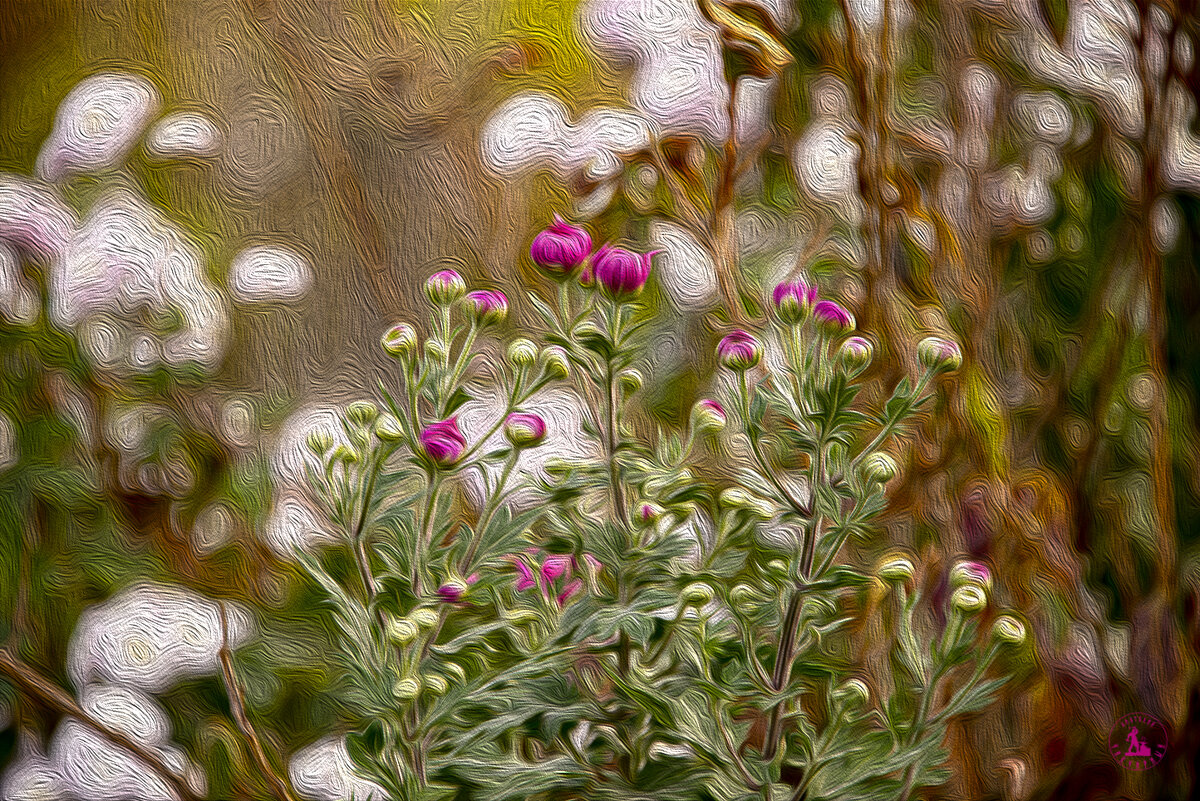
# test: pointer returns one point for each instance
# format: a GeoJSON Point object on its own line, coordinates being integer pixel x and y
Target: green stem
{"type": "Point", "coordinates": [492, 506]}
{"type": "Point", "coordinates": [423, 543]}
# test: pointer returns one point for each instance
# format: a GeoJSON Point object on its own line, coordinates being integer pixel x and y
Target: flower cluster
{"type": "Point", "coordinates": [563, 250]}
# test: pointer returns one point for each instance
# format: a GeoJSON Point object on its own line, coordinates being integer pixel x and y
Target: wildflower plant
{"type": "Point", "coordinates": [677, 616]}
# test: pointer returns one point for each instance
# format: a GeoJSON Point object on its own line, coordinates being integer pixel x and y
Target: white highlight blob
{"type": "Point", "coordinates": [149, 636]}
{"type": "Point", "coordinates": [323, 771]}
{"type": "Point", "coordinates": [269, 273]}
{"type": "Point", "coordinates": [98, 123]}
{"type": "Point", "coordinates": [183, 135]}
{"type": "Point", "coordinates": [33, 219]}
{"type": "Point", "coordinates": [685, 268]}
{"type": "Point", "coordinates": [18, 299]}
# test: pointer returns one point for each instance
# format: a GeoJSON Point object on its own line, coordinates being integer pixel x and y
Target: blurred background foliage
{"type": "Point", "coordinates": [1005, 187]}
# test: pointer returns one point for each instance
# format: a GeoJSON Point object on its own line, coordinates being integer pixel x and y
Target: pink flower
{"type": "Point", "coordinates": [525, 580]}
{"type": "Point", "coordinates": [443, 442]}
{"type": "Point", "coordinates": [940, 355]}
{"type": "Point", "coordinates": [488, 306]}
{"type": "Point", "coordinates": [572, 587]}
{"type": "Point", "coordinates": [794, 300]}
{"type": "Point", "coordinates": [832, 318]}
{"type": "Point", "coordinates": [620, 271]}
{"type": "Point", "coordinates": [452, 591]}
{"type": "Point", "coordinates": [445, 287]}
{"type": "Point", "coordinates": [555, 566]}
{"type": "Point", "coordinates": [562, 248]}
{"type": "Point", "coordinates": [739, 351]}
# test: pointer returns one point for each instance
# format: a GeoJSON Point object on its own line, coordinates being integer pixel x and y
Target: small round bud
{"type": "Point", "coordinates": [402, 631]}
{"type": "Point", "coordinates": [794, 301]}
{"type": "Point", "coordinates": [555, 362]}
{"type": "Point", "coordinates": [832, 319]}
{"type": "Point", "coordinates": [969, 599]}
{"type": "Point", "coordinates": [435, 349]}
{"type": "Point", "coordinates": [855, 354]}
{"type": "Point", "coordinates": [425, 618]}
{"type": "Point", "coordinates": [435, 684]}
{"type": "Point", "coordinates": [1008, 629]}
{"type": "Point", "coordinates": [697, 594]}
{"type": "Point", "coordinates": [971, 573]}
{"type": "Point", "coordinates": [388, 428]}
{"type": "Point", "coordinates": [737, 498]}
{"type": "Point", "coordinates": [619, 271]}
{"type": "Point", "coordinates": [319, 442]}
{"type": "Point", "coordinates": [443, 442]}
{"type": "Point", "coordinates": [362, 413]}
{"type": "Point", "coordinates": [745, 598]}
{"type": "Point", "coordinates": [939, 355]}
{"type": "Point", "coordinates": [488, 306]}
{"type": "Point", "coordinates": [853, 692]}
{"type": "Point", "coordinates": [522, 353]}
{"type": "Point", "coordinates": [879, 468]}
{"type": "Point", "coordinates": [407, 688]}
{"type": "Point", "coordinates": [561, 249]}
{"type": "Point", "coordinates": [342, 453]}
{"type": "Point", "coordinates": [647, 514]}
{"type": "Point", "coordinates": [400, 340]}
{"type": "Point", "coordinates": [524, 430]}
{"type": "Point", "coordinates": [708, 415]}
{"type": "Point", "coordinates": [445, 287]}
{"type": "Point", "coordinates": [739, 351]}
{"type": "Point", "coordinates": [895, 569]}
{"type": "Point", "coordinates": [630, 381]}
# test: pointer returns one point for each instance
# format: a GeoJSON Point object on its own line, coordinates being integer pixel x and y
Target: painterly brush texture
{"type": "Point", "coordinates": [690, 400]}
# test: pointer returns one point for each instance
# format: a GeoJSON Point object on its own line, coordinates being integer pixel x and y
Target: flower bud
{"type": "Point", "coordinates": [739, 351]}
{"type": "Point", "coordinates": [1008, 629]}
{"type": "Point", "coordinates": [630, 381]}
{"type": "Point", "coordinates": [488, 306]}
{"type": "Point", "coordinates": [737, 498]}
{"type": "Point", "coordinates": [524, 430]}
{"type": "Point", "coordinates": [939, 355]}
{"type": "Point", "coordinates": [522, 353]}
{"type": "Point", "coordinates": [745, 598]}
{"type": "Point", "coordinates": [969, 598]}
{"type": "Point", "coordinates": [555, 362]}
{"type": "Point", "coordinates": [697, 594]}
{"type": "Point", "coordinates": [896, 569]}
{"type": "Point", "coordinates": [708, 415]}
{"type": "Point", "coordinates": [343, 453]}
{"type": "Point", "coordinates": [400, 340]}
{"type": "Point", "coordinates": [619, 271]}
{"type": "Point", "coordinates": [832, 319]}
{"type": "Point", "coordinates": [362, 413]}
{"type": "Point", "coordinates": [880, 468]}
{"type": "Point", "coordinates": [794, 300]}
{"type": "Point", "coordinates": [855, 354]}
{"type": "Point", "coordinates": [853, 693]}
{"type": "Point", "coordinates": [973, 573]}
{"type": "Point", "coordinates": [647, 514]}
{"type": "Point", "coordinates": [443, 442]}
{"type": "Point", "coordinates": [561, 249]}
{"type": "Point", "coordinates": [425, 618]}
{"type": "Point", "coordinates": [402, 631]}
{"type": "Point", "coordinates": [445, 287]}
{"type": "Point", "coordinates": [407, 688]}
{"type": "Point", "coordinates": [388, 428]}
{"type": "Point", "coordinates": [435, 349]}
{"type": "Point", "coordinates": [453, 591]}
{"type": "Point", "coordinates": [435, 684]}
{"type": "Point", "coordinates": [319, 442]}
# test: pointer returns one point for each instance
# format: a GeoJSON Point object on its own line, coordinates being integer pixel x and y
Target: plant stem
{"type": "Point", "coordinates": [488, 512]}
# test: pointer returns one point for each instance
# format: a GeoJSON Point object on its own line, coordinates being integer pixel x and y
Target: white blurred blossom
{"type": "Point", "coordinates": [8, 443]}
{"type": "Point", "coordinates": [33, 218]}
{"type": "Point", "coordinates": [31, 777]}
{"type": "Point", "coordinates": [18, 299]}
{"type": "Point", "coordinates": [127, 260]}
{"type": "Point", "coordinates": [293, 525]}
{"type": "Point", "coordinates": [684, 267]}
{"type": "Point", "coordinates": [149, 636]}
{"type": "Point", "coordinates": [98, 123]}
{"type": "Point", "coordinates": [183, 135]}
{"type": "Point", "coordinates": [324, 771]}
{"type": "Point", "coordinates": [269, 273]}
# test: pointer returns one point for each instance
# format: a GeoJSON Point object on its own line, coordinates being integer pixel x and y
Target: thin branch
{"type": "Point", "coordinates": [237, 706]}
{"type": "Point", "coordinates": [33, 684]}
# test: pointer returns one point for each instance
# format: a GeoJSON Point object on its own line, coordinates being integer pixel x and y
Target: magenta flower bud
{"type": "Point", "coordinates": [794, 300]}
{"type": "Point", "coordinates": [647, 514]}
{"type": "Point", "coordinates": [975, 573]}
{"type": "Point", "coordinates": [708, 415]}
{"type": "Point", "coordinates": [445, 287]}
{"type": "Point", "coordinates": [524, 430]}
{"type": "Point", "coordinates": [555, 566]}
{"type": "Point", "coordinates": [572, 587]}
{"type": "Point", "coordinates": [855, 355]}
{"type": "Point", "coordinates": [832, 319]}
{"type": "Point", "coordinates": [619, 271]}
{"type": "Point", "coordinates": [400, 340]}
{"type": "Point", "coordinates": [525, 578]}
{"type": "Point", "coordinates": [487, 306]}
{"type": "Point", "coordinates": [939, 355]}
{"type": "Point", "coordinates": [452, 591]}
{"type": "Point", "coordinates": [443, 442]}
{"type": "Point", "coordinates": [561, 249]}
{"type": "Point", "coordinates": [739, 351]}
